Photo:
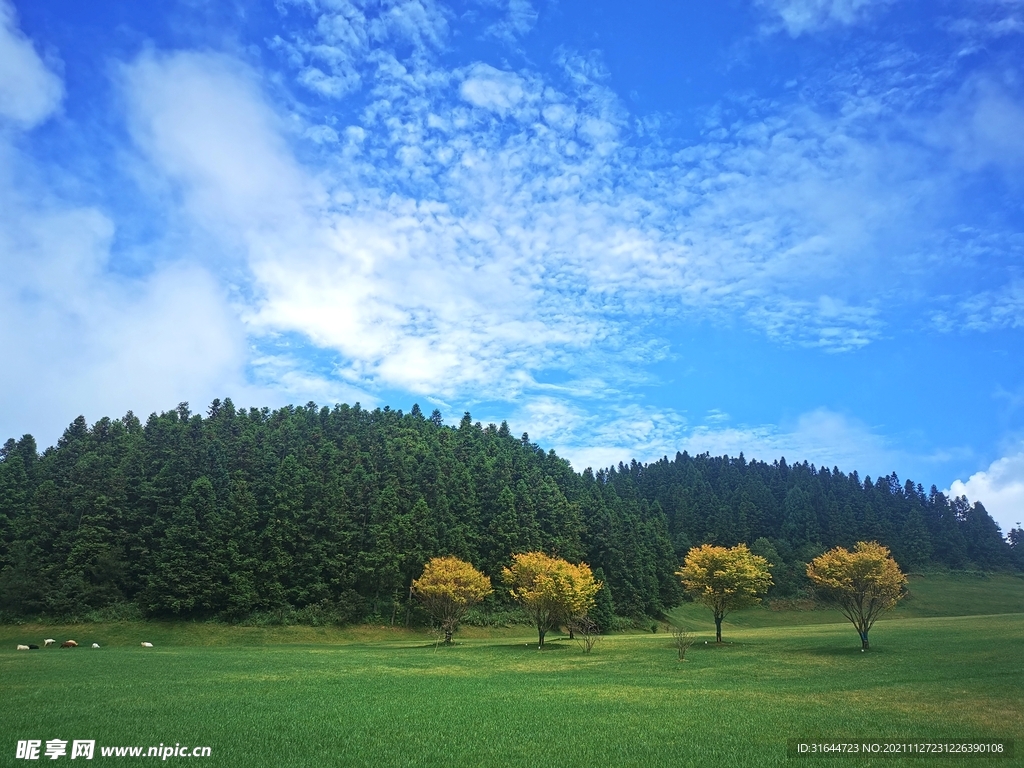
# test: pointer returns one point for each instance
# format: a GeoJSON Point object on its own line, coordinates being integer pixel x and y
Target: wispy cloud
{"type": "Point", "coordinates": [466, 237]}
{"type": "Point", "coordinates": [980, 125]}
{"type": "Point", "coordinates": [987, 20]}
{"type": "Point", "coordinates": [475, 234]}
{"type": "Point", "coordinates": [519, 18]}
{"type": "Point", "coordinates": [820, 436]}
{"type": "Point", "coordinates": [986, 310]}
{"type": "Point", "coordinates": [30, 90]}
{"type": "Point", "coordinates": [604, 436]}
{"type": "Point", "coordinates": [507, 233]}
{"type": "Point", "coordinates": [800, 17]}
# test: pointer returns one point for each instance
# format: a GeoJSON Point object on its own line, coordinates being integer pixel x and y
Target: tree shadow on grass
{"type": "Point", "coordinates": [712, 645]}
{"type": "Point", "coordinates": [837, 651]}
{"type": "Point", "coordinates": [429, 645]}
{"type": "Point", "coordinates": [549, 646]}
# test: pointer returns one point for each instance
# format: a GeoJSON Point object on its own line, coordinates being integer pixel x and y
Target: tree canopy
{"type": "Point", "coordinates": [862, 584]}
{"type": "Point", "coordinates": [724, 579]}
{"type": "Point", "coordinates": [552, 590]}
{"type": "Point", "coordinates": [448, 588]}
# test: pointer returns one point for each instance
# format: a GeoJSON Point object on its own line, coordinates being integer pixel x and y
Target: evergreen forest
{"type": "Point", "coordinates": [332, 512]}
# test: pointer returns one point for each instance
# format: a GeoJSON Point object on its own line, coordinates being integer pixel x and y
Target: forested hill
{"type": "Point", "coordinates": [337, 510]}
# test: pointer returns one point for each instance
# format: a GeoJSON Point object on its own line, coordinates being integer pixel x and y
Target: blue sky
{"type": "Point", "coordinates": [784, 227]}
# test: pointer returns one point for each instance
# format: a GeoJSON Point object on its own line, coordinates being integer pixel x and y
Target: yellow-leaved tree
{"type": "Point", "coordinates": [862, 583]}
{"type": "Point", "coordinates": [551, 590]}
{"type": "Point", "coordinates": [448, 588]}
{"type": "Point", "coordinates": [724, 579]}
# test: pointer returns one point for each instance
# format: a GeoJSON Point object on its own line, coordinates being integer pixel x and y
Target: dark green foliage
{"type": "Point", "coordinates": [1016, 539]}
{"type": "Point", "coordinates": [603, 612]}
{"type": "Point", "coordinates": [330, 514]}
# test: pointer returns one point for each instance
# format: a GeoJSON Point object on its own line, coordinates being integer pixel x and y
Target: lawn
{"type": "Point", "coordinates": [298, 696]}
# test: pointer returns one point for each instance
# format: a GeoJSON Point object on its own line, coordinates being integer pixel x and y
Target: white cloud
{"type": "Point", "coordinates": [408, 293]}
{"type": "Point", "coordinates": [987, 310]}
{"type": "Point", "coordinates": [519, 19]}
{"type": "Point", "coordinates": [423, 24]}
{"type": "Point", "coordinates": [476, 233]}
{"type": "Point", "coordinates": [334, 86]}
{"type": "Point", "coordinates": [92, 342]}
{"type": "Point", "coordinates": [981, 127]}
{"type": "Point", "coordinates": [603, 435]}
{"type": "Point", "coordinates": [288, 378]}
{"type": "Point", "coordinates": [802, 16]}
{"type": "Point", "coordinates": [481, 231]}
{"type": "Point", "coordinates": [777, 217]}
{"type": "Point", "coordinates": [89, 339]}
{"type": "Point", "coordinates": [492, 89]}
{"type": "Point", "coordinates": [821, 436]}
{"type": "Point", "coordinates": [202, 119]}
{"type": "Point", "coordinates": [29, 91]}
{"type": "Point", "coordinates": [349, 34]}
{"type": "Point", "coordinates": [1000, 488]}
{"type": "Point", "coordinates": [999, 19]}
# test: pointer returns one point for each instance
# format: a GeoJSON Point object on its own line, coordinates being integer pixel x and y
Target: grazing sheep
{"type": "Point", "coordinates": [33, 647]}
{"type": "Point", "coordinates": [146, 645]}
{"type": "Point", "coordinates": [95, 645]}
{"type": "Point", "coordinates": [49, 641]}
{"type": "Point", "coordinates": [69, 644]}
{"type": "Point", "coordinates": [22, 647]}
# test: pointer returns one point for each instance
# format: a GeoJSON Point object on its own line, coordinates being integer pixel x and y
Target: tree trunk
{"type": "Point", "coordinates": [447, 637]}
{"type": "Point", "coordinates": [540, 638]}
{"type": "Point", "coordinates": [718, 629]}
{"type": "Point", "coordinates": [864, 641]}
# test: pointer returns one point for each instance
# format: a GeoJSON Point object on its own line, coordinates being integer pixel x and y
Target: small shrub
{"type": "Point", "coordinates": [682, 640]}
{"type": "Point", "coordinates": [585, 632]}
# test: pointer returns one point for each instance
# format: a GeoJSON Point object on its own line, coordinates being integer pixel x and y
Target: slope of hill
{"type": "Point", "coordinates": [332, 512]}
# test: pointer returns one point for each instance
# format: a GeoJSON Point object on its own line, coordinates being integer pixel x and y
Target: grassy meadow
{"type": "Point", "coordinates": [946, 665]}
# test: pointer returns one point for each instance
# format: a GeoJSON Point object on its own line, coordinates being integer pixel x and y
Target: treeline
{"type": "Point", "coordinates": [335, 511]}
{"type": "Point", "coordinates": [792, 513]}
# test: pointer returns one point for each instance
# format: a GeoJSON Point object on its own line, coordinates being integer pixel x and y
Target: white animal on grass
{"type": "Point", "coordinates": [95, 645]}
{"type": "Point", "coordinates": [49, 641]}
{"type": "Point", "coordinates": [22, 647]}
{"type": "Point", "coordinates": [146, 645]}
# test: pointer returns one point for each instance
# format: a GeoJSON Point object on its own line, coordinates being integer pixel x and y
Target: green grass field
{"type": "Point", "coordinates": [301, 696]}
